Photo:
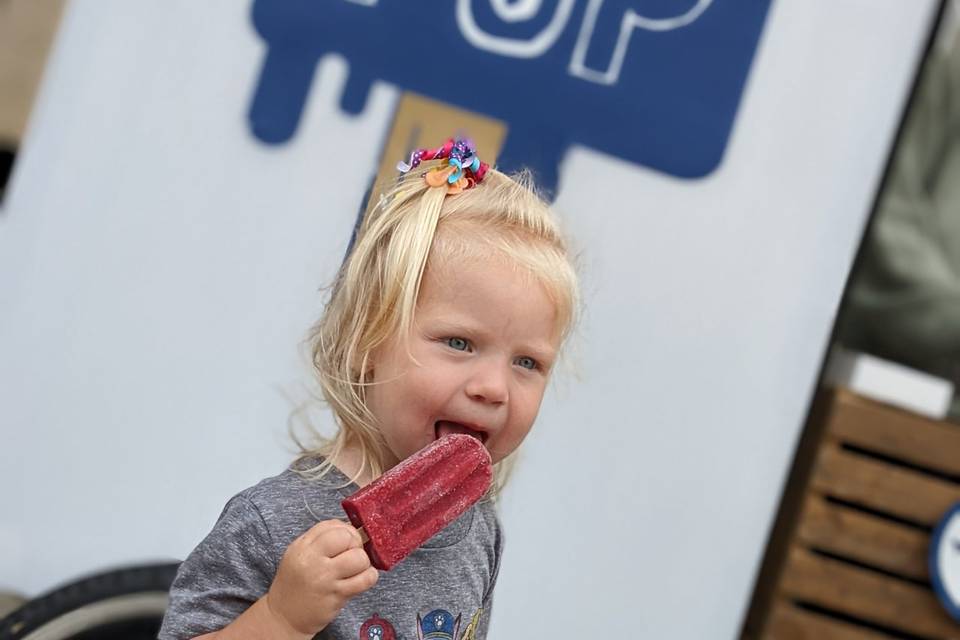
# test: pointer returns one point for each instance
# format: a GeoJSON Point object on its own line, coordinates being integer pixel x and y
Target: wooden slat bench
{"type": "Point", "coordinates": [856, 561]}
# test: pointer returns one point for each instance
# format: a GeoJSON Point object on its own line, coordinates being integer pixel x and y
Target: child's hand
{"type": "Point", "coordinates": [320, 571]}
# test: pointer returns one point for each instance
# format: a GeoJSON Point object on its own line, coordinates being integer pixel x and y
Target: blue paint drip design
{"type": "Point", "coordinates": [651, 82]}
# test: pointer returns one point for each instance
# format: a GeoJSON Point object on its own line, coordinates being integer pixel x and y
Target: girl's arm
{"type": "Point", "coordinates": [319, 573]}
{"type": "Point", "coordinates": [256, 622]}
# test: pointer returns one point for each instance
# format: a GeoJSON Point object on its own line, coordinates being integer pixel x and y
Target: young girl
{"type": "Point", "coordinates": [446, 317]}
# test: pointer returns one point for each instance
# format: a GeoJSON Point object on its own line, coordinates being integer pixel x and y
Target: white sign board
{"type": "Point", "coordinates": [159, 266]}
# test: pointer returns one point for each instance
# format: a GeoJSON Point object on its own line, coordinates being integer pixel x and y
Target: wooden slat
{"type": "Point", "coordinates": [788, 622]}
{"type": "Point", "coordinates": [907, 494]}
{"type": "Point", "coordinates": [865, 538]}
{"type": "Point", "coordinates": [895, 433]}
{"type": "Point", "coordinates": [863, 594]}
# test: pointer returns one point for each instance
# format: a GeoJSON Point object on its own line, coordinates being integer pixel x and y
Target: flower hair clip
{"type": "Point", "coordinates": [462, 170]}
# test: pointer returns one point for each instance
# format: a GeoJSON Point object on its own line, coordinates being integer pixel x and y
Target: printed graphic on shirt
{"type": "Point", "coordinates": [438, 625]}
{"type": "Point", "coordinates": [470, 633]}
{"type": "Point", "coordinates": [377, 628]}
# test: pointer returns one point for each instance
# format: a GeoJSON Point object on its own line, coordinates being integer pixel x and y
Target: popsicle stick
{"type": "Point", "coordinates": [363, 535]}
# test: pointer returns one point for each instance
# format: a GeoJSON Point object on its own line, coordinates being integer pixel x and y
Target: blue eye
{"type": "Point", "coordinates": [457, 343]}
{"type": "Point", "coordinates": [527, 362]}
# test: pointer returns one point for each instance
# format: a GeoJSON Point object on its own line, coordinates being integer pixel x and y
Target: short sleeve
{"type": "Point", "coordinates": [487, 605]}
{"type": "Point", "coordinates": [228, 571]}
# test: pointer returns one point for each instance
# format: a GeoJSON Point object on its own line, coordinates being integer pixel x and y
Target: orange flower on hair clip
{"type": "Point", "coordinates": [460, 185]}
{"type": "Point", "coordinates": [440, 176]}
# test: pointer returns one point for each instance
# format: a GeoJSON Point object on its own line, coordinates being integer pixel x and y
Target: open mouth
{"type": "Point", "coordinates": [445, 428]}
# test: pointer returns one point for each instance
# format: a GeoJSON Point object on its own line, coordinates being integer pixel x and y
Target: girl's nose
{"type": "Point", "coordinates": [488, 384]}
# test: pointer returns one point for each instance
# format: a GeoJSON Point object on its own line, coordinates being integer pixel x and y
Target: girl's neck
{"type": "Point", "coordinates": [349, 461]}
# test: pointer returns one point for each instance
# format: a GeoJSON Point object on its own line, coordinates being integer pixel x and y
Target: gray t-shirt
{"type": "Point", "coordinates": [443, 590]}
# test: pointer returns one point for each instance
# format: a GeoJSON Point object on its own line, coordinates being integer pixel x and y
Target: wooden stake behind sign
{"type": "Point", "coordinates": [27, 28]}
{"type": "Point", "coordinates": [420, 122]}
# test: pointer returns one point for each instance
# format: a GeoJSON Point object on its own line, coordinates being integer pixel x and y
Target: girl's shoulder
{"type": "Point", "coordinates": [488, 523]}
{"type": "Point", "coordinates": [291, 502]}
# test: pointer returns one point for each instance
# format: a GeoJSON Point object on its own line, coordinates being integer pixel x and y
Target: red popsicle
{"type": "Point", "coordinates": [407, 505]}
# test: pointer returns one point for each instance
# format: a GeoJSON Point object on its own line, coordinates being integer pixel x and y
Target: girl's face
{"type": "Point", "coordinates": [483, 341]}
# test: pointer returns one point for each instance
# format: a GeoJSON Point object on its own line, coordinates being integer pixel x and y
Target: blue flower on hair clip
{"type": "Point", "coordinates": [471, 162]}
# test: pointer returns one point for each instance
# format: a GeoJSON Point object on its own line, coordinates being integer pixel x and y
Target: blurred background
{"type": "Point", "coordinates": [758, 419]}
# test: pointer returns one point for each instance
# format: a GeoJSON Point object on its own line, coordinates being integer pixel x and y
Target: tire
{"type": "Point", "coordinates": [126, 603]}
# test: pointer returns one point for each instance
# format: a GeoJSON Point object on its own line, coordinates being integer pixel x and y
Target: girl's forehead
{"type": "Point", "coordinates": [489, 291]}
{"type": "Point", "coordinates": [464, 256]}
{"type": "Point", "coordinates": [446, 274]}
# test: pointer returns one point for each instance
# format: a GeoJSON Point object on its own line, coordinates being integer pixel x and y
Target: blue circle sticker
{"type": "Point", "coordinates": [945, 561]}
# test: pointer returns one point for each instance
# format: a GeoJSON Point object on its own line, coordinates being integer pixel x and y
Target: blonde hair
{"type": "Point", "coordinates": [374, 296]}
